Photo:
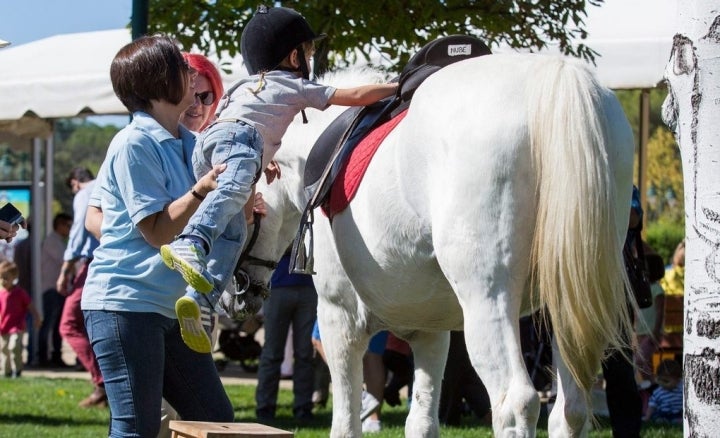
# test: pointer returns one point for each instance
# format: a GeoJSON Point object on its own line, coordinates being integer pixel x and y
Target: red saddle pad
{"type": "Point", "coordinates": [348, 180]}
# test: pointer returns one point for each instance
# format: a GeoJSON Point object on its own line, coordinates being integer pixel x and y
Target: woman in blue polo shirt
{"type": "Point", "coordinates": [146, 191]}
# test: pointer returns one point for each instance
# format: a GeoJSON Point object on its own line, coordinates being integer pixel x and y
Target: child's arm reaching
{"type": "Point", "coordinates": [362, 95]}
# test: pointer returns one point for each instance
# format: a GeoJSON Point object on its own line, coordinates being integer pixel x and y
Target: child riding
{"type": "Point", "coordinates": [276, 45]}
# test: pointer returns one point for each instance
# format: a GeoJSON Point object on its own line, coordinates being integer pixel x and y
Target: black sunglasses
{"type": "Point", "coordinates": [206, 98]}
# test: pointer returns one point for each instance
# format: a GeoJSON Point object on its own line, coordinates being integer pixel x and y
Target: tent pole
{"type": "Point", "coordinates": [37, 234]}
{"type": "Point", "coordinates": [49, 178]}
{"type": "Point", "coordinates": [642, 150]}
{"type": "Point", "coordinates": [139, 20]}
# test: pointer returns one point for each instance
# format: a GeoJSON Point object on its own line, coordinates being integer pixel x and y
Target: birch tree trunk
{"type": "Point", "coordinates": [692, 111]}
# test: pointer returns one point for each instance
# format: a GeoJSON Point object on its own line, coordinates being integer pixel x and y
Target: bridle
{"type": "Point", "coordinates": [242, 279]}
{"type": "Point", "coordinates": [245, 255]}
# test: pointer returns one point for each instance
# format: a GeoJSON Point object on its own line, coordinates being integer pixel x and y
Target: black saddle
{"type": "Point", "coordinates": [331, 149]}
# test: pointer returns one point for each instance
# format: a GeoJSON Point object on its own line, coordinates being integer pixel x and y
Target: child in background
{"type": "Point", "coordinates": [14, 306]}
{"type": "Point", "coordinates": [666, 402]}
{"type": "Point", "coordinates": [277, 45]}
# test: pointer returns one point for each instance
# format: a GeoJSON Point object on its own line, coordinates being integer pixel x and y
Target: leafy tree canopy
{"type": "Point", "coordinates": [393, 28]}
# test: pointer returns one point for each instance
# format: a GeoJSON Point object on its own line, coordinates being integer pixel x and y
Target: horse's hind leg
{"type": "Point", "coordinates": [493, 340]}
{"type": "Point", "coordinates": [430, 351]}
{"type": "Point", "coordinates": [568, 417]}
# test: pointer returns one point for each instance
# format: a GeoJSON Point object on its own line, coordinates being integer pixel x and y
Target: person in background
{"type": "Point", "coordinates": [374, 376]}
{"type": "Point", "coordinates": [143, 197]}
{"type": "Point", "coordinates": [649, 324]}
{"type": "Point", "coordinates": [461, 387]}
{"type": "Point", "coordinates": [277, 44]}
{"type": "Point", "coordinates": [322, 372]}
{"type": "Point", "coordinates": [52, 251]}
{"type": "Point", "coordinates": [673, 283]}
{"type": "Point", "coordinates": [398, 360]}
{"type": "Point", "coordinates": [293, 302]}
{"type": "Point", "coordinates": [9, 231]}
{"type": "Point", "coordinates": [71, 281]}
{"type": "Point", "coordinates": [208, 90]}
{"type": "Point", "coordinates": [623, 398]}
{"type": "Point", "coordinates": [666, 402]}
{"type": "Point", "coordinates": [15, 304]}
{"type": "Point", "coordinates": [23, 259]}
{"type": "Point", "coordinates": [22, 256]}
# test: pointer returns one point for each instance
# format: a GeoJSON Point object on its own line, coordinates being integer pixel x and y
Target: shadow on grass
{"type": "Point", "coordinates": [44, 420]}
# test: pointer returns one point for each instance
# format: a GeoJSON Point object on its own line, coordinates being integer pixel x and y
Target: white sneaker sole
{"type": "Point", "coordinates": [191, 328]}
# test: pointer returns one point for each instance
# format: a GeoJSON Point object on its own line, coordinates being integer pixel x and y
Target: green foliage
{"type": "Point", "coordinates": [663, 237]}
{"type": "Point", "coordinates": [666, 202]}
{"type": "Point", "coordinates": [78, 143]}
{"type": "Point", "coordinates": [40, 407]}
{"type": "Point", "coordinates": [630, 101]}
{"type": "Point", "coordinates": [395, 28]}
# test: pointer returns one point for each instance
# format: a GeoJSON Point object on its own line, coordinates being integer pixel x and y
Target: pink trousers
{"type": "Point", "coordinates": [72, 328]}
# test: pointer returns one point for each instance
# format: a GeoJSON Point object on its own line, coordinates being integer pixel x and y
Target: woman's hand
{"type": "Point", "coordinates": [272, 171]}
{"type": "Point", "coordinates": [259, 205]}
{"type": "Point", "coordinates": [8, 231]}
{"type": "Point", "coordinates": [208, 182]}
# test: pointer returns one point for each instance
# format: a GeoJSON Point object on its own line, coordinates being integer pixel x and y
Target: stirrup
{"type": "Point", "coordinates": [302, 260]}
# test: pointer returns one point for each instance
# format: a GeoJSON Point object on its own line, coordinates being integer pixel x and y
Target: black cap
{"type": "Point", "coordinates": [270, 35]}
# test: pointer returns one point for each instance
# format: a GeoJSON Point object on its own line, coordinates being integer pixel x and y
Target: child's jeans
{"type": "Point", "coordinates": [220, 220]}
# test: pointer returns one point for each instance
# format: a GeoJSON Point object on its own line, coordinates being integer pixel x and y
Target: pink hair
{"type": "Point", "coordinates": [206, 68]}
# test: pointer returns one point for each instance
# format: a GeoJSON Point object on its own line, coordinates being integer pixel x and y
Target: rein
{"type": "Point", "coordinates": [243, 283]}
{"type": "Point", "coordinates": [245, 255]}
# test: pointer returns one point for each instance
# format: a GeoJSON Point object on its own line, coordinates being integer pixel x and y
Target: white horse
{"type": "Point", "coordinates": [505, 189]}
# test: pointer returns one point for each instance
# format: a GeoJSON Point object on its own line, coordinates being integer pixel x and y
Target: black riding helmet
{"type": "Point", "coordinates": [270, 35]}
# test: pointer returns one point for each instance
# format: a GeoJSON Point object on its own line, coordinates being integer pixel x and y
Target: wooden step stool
{"type": "Point", "coordinates": [202, 429]}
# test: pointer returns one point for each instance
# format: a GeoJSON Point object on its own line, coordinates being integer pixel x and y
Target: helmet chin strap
{"type": "Point", "coordinates": [305, 73]}
{"type": "Point", "coordinates": [303, 69]}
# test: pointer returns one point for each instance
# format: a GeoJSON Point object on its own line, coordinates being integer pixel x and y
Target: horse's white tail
{"type": "Point", "coordinates": [577, 265]}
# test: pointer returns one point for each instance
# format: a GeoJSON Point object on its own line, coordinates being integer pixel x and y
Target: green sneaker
{"type": "Point", "coordinates": [195, 324]}
{"type": "Point", "coordinates": [188, 257]}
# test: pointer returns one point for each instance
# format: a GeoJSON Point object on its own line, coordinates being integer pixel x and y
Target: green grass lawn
{"type": "Point", "coordinates": [32, 407]}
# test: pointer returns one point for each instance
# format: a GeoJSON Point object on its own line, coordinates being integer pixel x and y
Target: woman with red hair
{"type": "Point", "coordinates": [208, 91]}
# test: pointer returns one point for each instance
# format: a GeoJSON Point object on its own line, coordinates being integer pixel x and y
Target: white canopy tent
{"type": "Point", "coordinates": [66, 76]}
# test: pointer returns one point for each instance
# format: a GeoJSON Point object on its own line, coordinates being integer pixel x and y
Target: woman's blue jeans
{"type": "Point", "coordinates": [143, 359]}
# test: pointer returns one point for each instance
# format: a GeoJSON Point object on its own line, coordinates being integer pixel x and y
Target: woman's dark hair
{"type": "Point", "coordinates": [151, 67]}
{"type": "Point", "coordinates": [81, 174]}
